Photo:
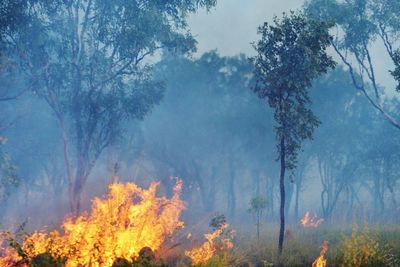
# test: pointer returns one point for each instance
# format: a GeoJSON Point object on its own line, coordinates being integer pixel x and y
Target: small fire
{"type": "Point", "coordinates": [202, 254]}
{"type": "Point", "coordinates": [309, 221]}
{"type": "Point", "coordinates": [321, 261]}
{"type": "Point", "coordinates": [129, 219]}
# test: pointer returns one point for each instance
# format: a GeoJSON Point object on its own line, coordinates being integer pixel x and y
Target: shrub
{"type": "Point", "coordinates": [361, 248]}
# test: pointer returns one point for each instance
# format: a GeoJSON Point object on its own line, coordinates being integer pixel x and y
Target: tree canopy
{"type": "Point", "coordinates": [90, 61]}
{"type": "Point", "coordinates": [360, 25]}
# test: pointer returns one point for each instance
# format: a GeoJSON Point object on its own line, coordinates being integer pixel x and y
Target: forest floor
{"type": "Point", "coordinates": [330, 245]}
{"type": "Point", "coordinates": [347, 246]}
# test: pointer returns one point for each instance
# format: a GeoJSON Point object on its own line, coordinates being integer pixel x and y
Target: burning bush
{"type": "Point", "coordinates": [307, 221]}
{"type": "Point", "coordinates": [118, 227]}
{"type": "Point", "coordinates": [219, 240]}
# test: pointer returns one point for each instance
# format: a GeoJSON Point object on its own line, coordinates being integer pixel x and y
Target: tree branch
{"type": "Point", "coordinates": [14, 97]}
{"type": "Point", "coordinates": [361, 88]}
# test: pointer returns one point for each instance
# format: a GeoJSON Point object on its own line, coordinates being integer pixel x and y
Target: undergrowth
{"type": "Point", "coordinates": [360, 246]}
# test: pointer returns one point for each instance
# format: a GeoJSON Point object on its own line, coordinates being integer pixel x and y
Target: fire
{"type": "Point", "coordinates": [309, 221]}
{"type": "Point", "coordinates": [118, 226]}
{"type": "Point", "coordinates": [200, 255]}
{"type": "Point", "coordinates": [321, 261]}
{"type": "Point", "coordinates": [10, 258]}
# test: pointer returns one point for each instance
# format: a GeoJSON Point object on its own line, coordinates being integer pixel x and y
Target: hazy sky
{"type": "Point", "coordinates": [231, 26]}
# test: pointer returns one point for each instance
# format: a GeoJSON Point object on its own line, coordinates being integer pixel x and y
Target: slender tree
{"type": "Point", "coordinates": [257, 207]}
{"type": "Point", "coordinates": [290, 55]}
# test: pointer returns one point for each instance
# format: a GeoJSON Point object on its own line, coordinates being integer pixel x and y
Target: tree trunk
{"type": "Point", "coordinates": [196, 176]}
{"type": "Point", "coordinates": [258, 227]}
{"type": "Point", "coordinates": [299, 183]}
{"type": "Point", "coordinates": [270, 196]}
{"type": "Point", "coordinates": [282, 192]}
{"type": "Point", "coordinates": [210, 202]}
{"type": "Point", "coordinates": [231, 189]}
{"type": "Point", "coordinates": [289, 189]}
{"type": "Point", "coordinates": [296, 203]}
{"type": "Point", "coordinates": [67, 160]}
{"type": "Point", "coordinates": [256, 182]}
{"type": "Point", "coordinates": [82, 172]}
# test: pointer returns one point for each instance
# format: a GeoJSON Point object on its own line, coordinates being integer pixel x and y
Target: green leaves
{"type": "Point", "coordinates": [257, 204]}
{"type": "Point", "coordinates": [291, 54]}
{"type": "Point", "coordinates": [396, 71]}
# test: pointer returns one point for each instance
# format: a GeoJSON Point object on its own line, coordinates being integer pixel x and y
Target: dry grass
{"type": "Point", "coordinates": [374, 247]}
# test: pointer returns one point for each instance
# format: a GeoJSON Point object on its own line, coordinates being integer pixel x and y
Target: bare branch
{"type": "Point", "coordinates": [385, 39]}
{"type": "Point", "coordinates": [14, 97]}
{"type": "Point", "coordinates": [361, 88]}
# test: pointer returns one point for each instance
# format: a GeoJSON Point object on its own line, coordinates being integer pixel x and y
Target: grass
{"type": "Point", "coordinates": [355, 247]}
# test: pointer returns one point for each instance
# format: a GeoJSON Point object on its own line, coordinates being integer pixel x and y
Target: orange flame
{"type": "Point", "coordinates": [10, 258]}
{"type": "Point", "coordinates": [321, 261]}
{"type": "Point", "coordinates": [119, 226]}
{"type": "Point", "coordinates": [202, 254]}
{"type": "Point", "coordinates": [309, 221]}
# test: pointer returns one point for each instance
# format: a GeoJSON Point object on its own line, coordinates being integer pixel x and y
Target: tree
{"type": "Point", "coordinates": [341, 110]}
{"type": "Point", "coordinates": [88, 60]}
{"type": "Point", "coordinates": [360, 25]}
{"type": "Point", "coordinates": [290, 55]}
{"type": "Point", "coordinates": [257, 207]}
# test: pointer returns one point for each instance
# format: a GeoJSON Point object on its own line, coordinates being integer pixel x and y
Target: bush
{"type": "Point", "coordinates": [46, 260]}
{"type": "Point", "coordinates": [363, 249]}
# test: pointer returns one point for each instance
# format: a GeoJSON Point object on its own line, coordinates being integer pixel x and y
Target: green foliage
{"type": "Point", "coordinates": [217, 261]}
{"type": "Point", "coordinates": [11, 15]}
{"type": "Point", "coordinates": [121, 262]}
{"type": "Point", "coordinates": [146, 258]}
{"type": "Point", "coordinates": [361, 249]}
{"type": "Point", "coordinates": [46, 260]}
{"type": "Point", "coordinates": [291, 54]}
{"type": "Point", "coordinates": [367, 248]}
{"type": "Point", "coordinates": [140, 262]}
{"type": "Point", "coordinates": [396, 71]}
{"type": "Point", "coordinates": [257, 204]}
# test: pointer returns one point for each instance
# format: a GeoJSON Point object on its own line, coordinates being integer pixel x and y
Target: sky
{"type": "Point", "coordinates": [231, 27]}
